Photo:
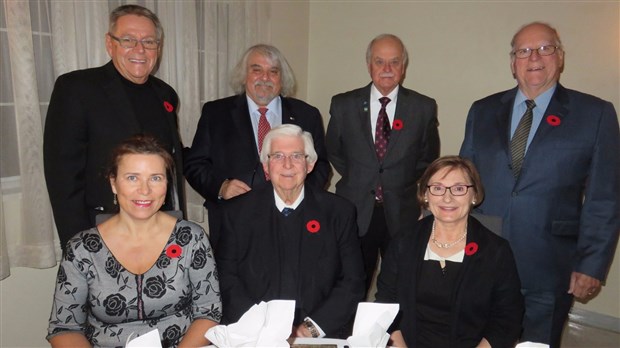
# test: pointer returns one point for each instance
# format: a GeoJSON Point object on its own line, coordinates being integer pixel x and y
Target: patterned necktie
{"type": "Point", "coordinates": [519, 139]}
{"type": "Point", "coordinates": [263, 127]}
{"type": "Point", "coordinates": [287, 211]}
{"type": "Point", "coordinates": [382, 130]}
{"type": "Point", "coordinates": [382, 138]}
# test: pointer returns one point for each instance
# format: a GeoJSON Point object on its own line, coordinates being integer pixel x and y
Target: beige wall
{"type": "Point", "coordinates": [459, 53]}
{"type": "Point", "coordinates": [289, 32]}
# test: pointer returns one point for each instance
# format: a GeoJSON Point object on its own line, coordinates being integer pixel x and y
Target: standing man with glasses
{"type": "Point", "coordinates": [93, 110]}
{"type": "Point", "coordinates": [380, 139]}
{"type": "Point", "coordinates": [292, 241]}
{"type": "Point", "coordinates": [548, 158]}
{"type": "Point", "coordinates": [223, 161]}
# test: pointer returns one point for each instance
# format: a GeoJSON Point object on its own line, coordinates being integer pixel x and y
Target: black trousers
{"type": "Point", "coordinates": [375, 241]}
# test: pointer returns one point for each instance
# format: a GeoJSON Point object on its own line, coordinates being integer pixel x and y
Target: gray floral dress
{"type": "Point", "coordinates": [97, 296]}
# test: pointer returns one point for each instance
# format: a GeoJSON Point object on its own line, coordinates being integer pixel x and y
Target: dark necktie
{"type": "Point", "coordinates": [287, 211]}
{"type": "Point", "coordinates": [263, 127]}
{"type": "Point", "coordinates": [519, 139]}
{"type": "Point", "coordinates": [382, 130]}
{"type": "Point", "coordinates": [382, 138]}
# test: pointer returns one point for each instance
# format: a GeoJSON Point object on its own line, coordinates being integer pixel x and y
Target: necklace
{"type": "Point", "coordinates": [446, 245]}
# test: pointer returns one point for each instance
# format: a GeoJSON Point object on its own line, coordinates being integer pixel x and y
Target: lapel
{"type": "Point", "coordinates": [240, 113]}
{"type": "Point", "coordinates": [474, 246]}
{"type": "Point", "coordinates": [558, 108]}
{"type": "Point", "coordinates": [263, 222]}
{"type": "Point", "coordinates": [403, 113]}
{"type": "Point", "coordinates": [362, 104]}
{"type": "Point", "coordinates": [287, 112]}
{"type": "Point", "coordinates": [502, 118]}
{"type": "Point", "coordinates": [312, 243]}
{"type": "Point", "coordinates": [473, 238]}
{"type": "Point", "coordinates": [164, 102]}
{"type": "Point", "coordinates": [115, 91]}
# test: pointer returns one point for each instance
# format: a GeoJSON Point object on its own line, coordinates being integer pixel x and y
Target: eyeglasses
{"type": "Point", "coordinates": [546, 50]}
{"type": "Point", "coordinates": [295, 157]}
{"type": "Point", "coordinates": [455, 190]}
{"type": "Point", "coordinates": [130, 42]}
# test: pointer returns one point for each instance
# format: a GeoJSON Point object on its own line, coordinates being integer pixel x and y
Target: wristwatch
{"type": "Point", "coordinates": [313, 331]}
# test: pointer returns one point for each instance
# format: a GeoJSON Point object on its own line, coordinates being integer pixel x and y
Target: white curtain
{"type": "Point", "coordinates": [33, 244]}
{"type": "Point", "coordinates": [203, 41]}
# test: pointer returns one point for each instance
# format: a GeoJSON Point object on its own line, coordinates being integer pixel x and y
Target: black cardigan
{"type": "Point", "coordinates": [487, 301]}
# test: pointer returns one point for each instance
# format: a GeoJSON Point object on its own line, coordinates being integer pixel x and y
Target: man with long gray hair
{"type": "Point", "coordinates": [223, 161]}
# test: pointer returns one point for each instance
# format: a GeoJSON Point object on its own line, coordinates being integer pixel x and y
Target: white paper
{"type": "Point", "coordinates": [267, 324]}
{"type": "Point", "coordinates": [149, 339]}
{"type": "Point", "coordinates": [531, 345]}
{"type": "Point", "coordinates": [320, 341]}
{"type": "Point", "coordinates": [372, 321]}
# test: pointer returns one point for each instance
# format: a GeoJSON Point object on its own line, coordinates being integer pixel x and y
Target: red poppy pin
{"type": "Point", "coordinates": [398, 124]}
{"type": "Point", "coordinates": [471, 248]}
{"type": "Point", "coordinates": [173, 251]}
{"type": "Point", "coordinates": [168, 106]}
{"type": "Point", "coordinates": [553, 120]}
{"type": "Point", "coordinates": [313, 226]}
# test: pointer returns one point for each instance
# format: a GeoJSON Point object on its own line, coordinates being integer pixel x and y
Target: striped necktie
{"type": "Point", "coordinates": [519, 139]}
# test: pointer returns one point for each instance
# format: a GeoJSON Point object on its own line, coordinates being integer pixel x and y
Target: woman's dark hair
{"type": "Point", "coordinates": [452, 162]}
{"type": "Point", "coordinates": [139, 144]}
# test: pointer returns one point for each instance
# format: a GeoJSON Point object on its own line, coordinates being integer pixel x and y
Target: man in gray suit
{"type": "Point", "coordinates": [381, 138]}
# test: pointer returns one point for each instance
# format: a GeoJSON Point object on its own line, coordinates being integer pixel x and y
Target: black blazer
{"type": "Point", "coordinates": [88, 115]}
{"type": "Point", "coordinates": [487, 301]}
{"type": "Point", "coordinates": [331, 274]}
{"type": "Point", "coordinates": [411, 149]}
{"type": "Point", "coordinates": [224, 148]}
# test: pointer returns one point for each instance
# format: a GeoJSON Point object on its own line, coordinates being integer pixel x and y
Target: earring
{"type": "Point", "coordinates": [114, 200]}
{"type": "Point", "coordinates": [425, 200]}
{"type": "Point", "coordinates": [473, 202]}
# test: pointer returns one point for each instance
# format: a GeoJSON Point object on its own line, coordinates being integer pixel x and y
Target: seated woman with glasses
{"type": "Point", "coordinates": [456, 281]}
{"type": "Point", "coordinates": [141, 269]}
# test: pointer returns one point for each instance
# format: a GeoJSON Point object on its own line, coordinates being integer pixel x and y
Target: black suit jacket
{"type": "Point", "coordinates": [88, 115]}
{"type": "Point", "coordinates": [224, 148]}
{"type": "Point", "coordinates": [486, 302]}
{"type": "Point", "coordinates": [411, 149]}
{"type": "Point", "coordinates": [331, 274]}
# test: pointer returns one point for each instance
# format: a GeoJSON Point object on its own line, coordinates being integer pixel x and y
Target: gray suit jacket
{"type": "Point", "coordinates": [412, 148]}
{"type": "Point", "coordinates": [562, 214]}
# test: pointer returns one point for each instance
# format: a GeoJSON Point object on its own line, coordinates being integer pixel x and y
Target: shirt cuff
{"type": "Point", "coordinates": [321, 332]}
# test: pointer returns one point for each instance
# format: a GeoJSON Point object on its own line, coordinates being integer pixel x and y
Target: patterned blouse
{"type": "Point", "coordinates": [97, 296]}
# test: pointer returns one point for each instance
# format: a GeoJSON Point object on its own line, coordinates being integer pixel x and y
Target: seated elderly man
{"type": "Point", "coordinates": [291, 241]}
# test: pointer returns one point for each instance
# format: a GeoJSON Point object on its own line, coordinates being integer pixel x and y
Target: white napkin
{"type": "Point", "coordinates": [531, 345]}
{"type": "Point", "coordinates": [309, 341]}
{"type": "Point", "coordinates": [149, 339]}
{"type": "Point", "coordinates": [372, 321]}
{"type": "Point", "coordinates": [267, 324]}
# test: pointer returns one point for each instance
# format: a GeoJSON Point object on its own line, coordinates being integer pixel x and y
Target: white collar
{"type": "Point", "coordinates": [281, 205]}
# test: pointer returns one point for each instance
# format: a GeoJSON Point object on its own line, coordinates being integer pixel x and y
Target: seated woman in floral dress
{"type": "Point", "coordinates": [141, 269]}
